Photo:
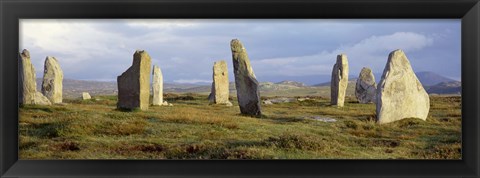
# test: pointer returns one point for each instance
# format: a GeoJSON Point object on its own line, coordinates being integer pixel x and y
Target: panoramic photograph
{"type": "Point", "coordinates": [239, 89]}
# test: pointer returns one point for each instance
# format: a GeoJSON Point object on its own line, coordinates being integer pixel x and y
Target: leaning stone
{"type": "Point", "coordinates": [246, 84]}
{"type": "Point", "coordinates": [400, 94]}
{"type": "Point", "coordinates": [52, 85]}
{"type": "Point", "coordinates": [27, 86]}
{"type": "Point", "coordinates": [365, 89]}
{"type": "Point", "coordinates": [339, 81]}
{"type": "Point", "coordinates": [134, 84]}
{"type": "Point", "coordinates": [157, 86]}
{"type": "Point", "coordinates": [86, 96]}
{"type": "Point", "coordinates": [220, 85]}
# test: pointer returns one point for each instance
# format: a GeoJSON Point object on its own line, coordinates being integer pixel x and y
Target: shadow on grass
{"type": "Point", "coordinates": [283, 120]}
{"type": "Point", "coordinates": [230, 150]}
{"type": "Point", "coordinates": [48, 109]}
{"type": "Point", "coordinates": [43, 130]}
{"type": "Point", "coordinates": [127, 109]}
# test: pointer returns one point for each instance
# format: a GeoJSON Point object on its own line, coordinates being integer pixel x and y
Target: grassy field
{"type": "Point", "coordinates": [193, 129]}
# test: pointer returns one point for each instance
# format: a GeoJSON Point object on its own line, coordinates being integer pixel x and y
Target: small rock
{"type": "Point", "coordinates": [86, 96]}
{"type": "Point", "coordinates": [283, 100]}
{"type": "Point", "coordinates": [267, 102]}
{"type": "Point", "coordinates": [320, 118]}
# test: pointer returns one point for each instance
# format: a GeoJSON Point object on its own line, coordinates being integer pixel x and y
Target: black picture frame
{"type": "Point", "coordinates": [13, 10]}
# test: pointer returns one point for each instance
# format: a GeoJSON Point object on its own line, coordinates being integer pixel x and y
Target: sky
{"type": "Point", "coordinates": [303, 50]}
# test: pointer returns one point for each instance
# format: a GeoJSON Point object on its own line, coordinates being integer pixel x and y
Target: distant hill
{"type": "Point", "coordinates": [454, 87]}
{"type": "Point", "coordinates": [308, 80]}
{"type": "Point", "coordinates": [426, 78]}
{"type": "Point", "coordinates": [292, 83]}
{"type": "Point", "coordinates": [74, 88]}
{"type": "Point", "coordinates": [269, 86]}
{"type": "Point", "coordinates": [351, 81]}
{"type": "Point", "coordinates": [431, 78]}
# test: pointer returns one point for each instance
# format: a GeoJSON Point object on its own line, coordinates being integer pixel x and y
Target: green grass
{"type": "Point", "coordinates": [193, 129]}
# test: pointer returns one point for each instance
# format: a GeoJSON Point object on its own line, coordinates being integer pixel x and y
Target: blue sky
{"type": "Point", "coordinates": [289, 49]}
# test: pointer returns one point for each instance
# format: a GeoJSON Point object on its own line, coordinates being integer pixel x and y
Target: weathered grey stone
{"type": "Point", "coordinates": [26, 75]}
{"type": "Point", "coordinates": [52, 85]}
{"type": "Point", "coordinates": [220, 91]}
{"type": "Point", "coordinates": [86, 96]}
{"type": "Point", "coordinates": [365, 89]}
{"type": "Point", "coordinates": [134, 83]}
{"type": "Point", "coordinates": [246, 84]}
{"type": "Point", "coordinates": [339, 81]}
{"type": "Point", "coordinates": [157, 86]}
{"type": "Point", "coordinates": [400, 94]}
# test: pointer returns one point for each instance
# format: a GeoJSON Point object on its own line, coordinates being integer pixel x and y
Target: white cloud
{"type": "Point", "coordinates": [161, 24]}
{"type": "Point", "coordinates": [186, 49]}
{"type": "Point", "coordinates": [371, 52]}
{"type": "Point", "coordinates": [77, 45]}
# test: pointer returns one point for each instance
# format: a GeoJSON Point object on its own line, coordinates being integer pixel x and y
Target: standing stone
{"type": "Point", "coordinates": [248, 92]}
{"type": "Point", "coordinates": [26, 74]}
{"type": "Point", "coordinates": [400, 94]}
{"type": "Point", "coordinates": [365, 89]}
{"type": "Point", "coordinates": [339, 81]}
{"type": "Point", "coordinates": [52, 85]}
{"type": "Point", "coordinates": [220, 92]}
{"type": "Point", "coordinates": [134, 84]}
{"type": "Point", "coordinates": [86, 96]}
{"type": "Point", "coordinates": [157, 87]}
{"type": "Point", "coordinates": [27, 84]}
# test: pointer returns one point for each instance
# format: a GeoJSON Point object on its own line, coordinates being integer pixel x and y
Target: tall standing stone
{"type": "Point", "coordinates": [157, 87]}
{"type": "Point", "coordinates": [52, 85]}
{"type": "Point", "coordinates": [134, 84]}
{"type": "Point", "coordinates": [27, 87]}
{"type": "Point", "coordinates": [366, 88]}
{"type": "Point", "coordinates": [246, 84]}
{"type": "Point", "coordinates": [339, 81]}
{"type": "Point", "coordinates": [27, 84]}
{"type": "Point", "coordinates": [220, 84]}
{"type": "Point", "coordinates": [400, 94]}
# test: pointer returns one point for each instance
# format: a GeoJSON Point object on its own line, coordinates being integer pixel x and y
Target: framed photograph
{"type": "Point", "coordinates": [220, 88]}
